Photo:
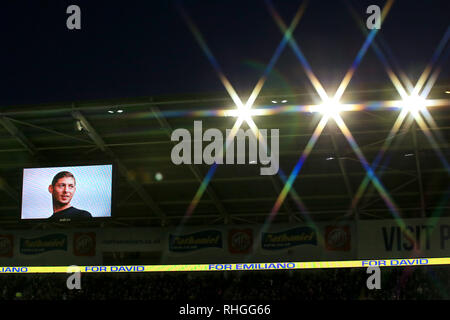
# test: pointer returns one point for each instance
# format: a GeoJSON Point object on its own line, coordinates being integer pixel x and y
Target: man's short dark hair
{"type": "Point", "coordinates": [62, 174]}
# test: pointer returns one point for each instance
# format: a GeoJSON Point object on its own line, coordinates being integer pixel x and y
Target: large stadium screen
{"type": "Point", "coordinates": [68, 193]}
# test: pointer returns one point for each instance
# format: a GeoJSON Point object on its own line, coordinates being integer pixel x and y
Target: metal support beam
{"type": "Point", "coordinates": [368, 148]}
{"type": "Point", "coordinates": [243, 217]}
{"type": "Point", "coordinates": [122, 169]}
{"type": "Point", "coordinates": [47, 130]}
{"type": "Point", "coordinates": [126, 198]}
{"type": "Point", "coordinates": [27, 144]}
{"type": "Point", "coordinates": [195, 171]}
{"type": "Point", "coordinates": [348, 186]}
{"type": "Point", "coordinates": [362, 213]}
{"type": "Point", "coordinates": [16, 133]}
{"type": "Point", "coordinates": [137, 103]}
{"type": "Point", "coordinates": [419, 170]}
{"type": "Point", "coordinates": [164, 124]}
{"type": "Point", "coordinates": [367, 204]}
{"type": "Point", "coordinates": [8, 189]}
{"type": "Point", "coordinates": [278, 188]}
{"type": "Point", "coordinates": [311, 197]}
{"type": "Point", "coordinates": [245, 220]}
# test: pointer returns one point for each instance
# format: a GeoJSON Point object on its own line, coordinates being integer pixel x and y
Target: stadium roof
{"type": "Point", "coordinates": [138, 140]}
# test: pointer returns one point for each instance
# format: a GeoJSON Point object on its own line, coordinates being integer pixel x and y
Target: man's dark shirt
{"type": "Point", "coordinates": [71, 214]}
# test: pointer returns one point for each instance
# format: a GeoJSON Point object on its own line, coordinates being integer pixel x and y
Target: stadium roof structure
{"type": "Point", "coordinates": [138, 139]}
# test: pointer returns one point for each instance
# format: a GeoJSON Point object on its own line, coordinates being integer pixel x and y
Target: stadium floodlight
{"type": "Point", "coordinates": [245, 114]}
{"type": "Point", "coordinates": [78, 126]}
{"type": "Point", "coordinates": [329, 108]}
{"type": "Point", "coordinates": [158, 176]}
{"type": "Point", "coordinates": [414, 104]}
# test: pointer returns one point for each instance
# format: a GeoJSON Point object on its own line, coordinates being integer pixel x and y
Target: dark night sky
{"type": "Point", "coordinates": [130, 49]}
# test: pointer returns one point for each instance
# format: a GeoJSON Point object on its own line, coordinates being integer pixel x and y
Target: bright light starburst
{"type": "Point", "coordinates": [414, 104]}
{"type": "Point", "coordinates": [329, 107]}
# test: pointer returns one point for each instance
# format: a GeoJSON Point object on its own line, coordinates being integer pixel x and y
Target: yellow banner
{"type": "Point", "coordinates": [232, 267]}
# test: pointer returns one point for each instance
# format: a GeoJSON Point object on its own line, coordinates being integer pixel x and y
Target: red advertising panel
{"type": "Point", "coordinates": [337, 238]}
{"type": "Point", "coordinates": [240, 240]}
{"type": "Point", "coordinates": [84, 244]}
{"type": "Point", "coordinates": [6, 245]}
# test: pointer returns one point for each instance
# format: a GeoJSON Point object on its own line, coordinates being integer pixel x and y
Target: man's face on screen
{"type": "Point", "coordinates": [63, 190]}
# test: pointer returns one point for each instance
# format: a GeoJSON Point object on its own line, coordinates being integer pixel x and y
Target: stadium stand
{"type": "Point", "coordinates": [402, 283]}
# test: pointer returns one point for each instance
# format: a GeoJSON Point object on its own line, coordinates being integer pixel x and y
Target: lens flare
{"type": "Point", "coordinates": [414, 104]}
{"type": "Point", "coordinates": [244, 113]}
{"type": "Point", "coordinates": [330, 108]}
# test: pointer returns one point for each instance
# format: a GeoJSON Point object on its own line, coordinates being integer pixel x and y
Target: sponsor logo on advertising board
{"type": "Point", "coordinates": [289, 238]}
{"type": "Point", "coordinates": [337, 238]}
{"type": "Point", "coordinates": [43, 244]}
{"type": "Point", "coordinates": [240, 240]}
{"type": "Point", "coordinates": [84, 244]}
{"type": "Point", "coordinates": [195, 241]}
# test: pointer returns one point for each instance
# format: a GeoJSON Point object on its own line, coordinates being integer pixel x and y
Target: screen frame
{"type": "Point", "coordinates": [74, 223]}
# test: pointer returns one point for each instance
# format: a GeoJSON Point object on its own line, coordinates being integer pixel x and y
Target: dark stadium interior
{"type": "Point", "coordinates": [115, 91]}
{"type": "Point", "coordinates": [139, 140]}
